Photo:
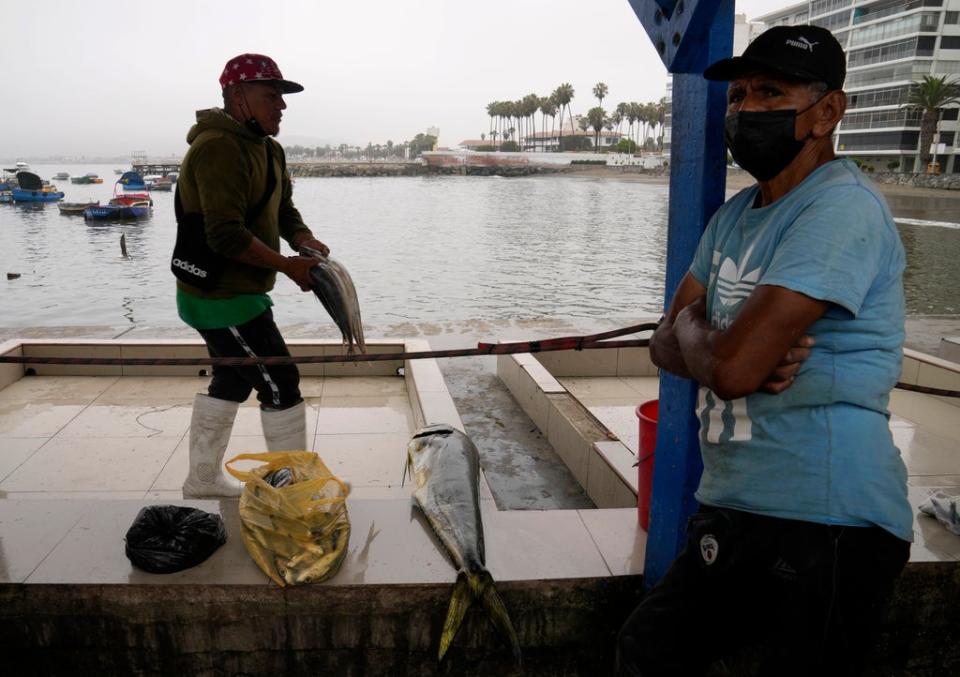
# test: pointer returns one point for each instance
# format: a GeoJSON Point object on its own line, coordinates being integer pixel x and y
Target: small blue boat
{"type": "Point", "coordinates": [30, 188]}
{"type": "Point", "coordinates": [136, 210]}
{"type": "Point", "coordinates": [132, 181]}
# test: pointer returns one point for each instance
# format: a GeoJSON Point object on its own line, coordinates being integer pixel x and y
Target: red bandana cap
{"type": "Point", "coordinates": [255, 68]}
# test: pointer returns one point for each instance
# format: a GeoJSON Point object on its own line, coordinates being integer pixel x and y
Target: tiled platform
{"type": "Point", "coordinates": [79, 454]}
{"type": "Point", "coordinates": [925, 428]}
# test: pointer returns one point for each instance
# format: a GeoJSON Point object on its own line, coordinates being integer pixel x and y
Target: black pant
{"type": "Point", "coordinates": [278, 387]}
{"type": "Point", "coordinates": [808, 597]}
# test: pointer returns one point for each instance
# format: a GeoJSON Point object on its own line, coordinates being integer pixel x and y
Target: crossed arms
{"type": "Point", "coordinates": [762, 350]}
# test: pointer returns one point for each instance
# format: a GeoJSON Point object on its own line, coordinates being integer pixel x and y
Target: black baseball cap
{"type": "Point", "coordinates": [807, 53]}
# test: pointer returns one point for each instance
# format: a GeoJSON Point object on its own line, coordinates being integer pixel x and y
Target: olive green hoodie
{"type": "Point", "coordinates": [223, 174]}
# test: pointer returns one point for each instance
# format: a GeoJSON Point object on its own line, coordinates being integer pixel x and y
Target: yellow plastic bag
{"type": "Point", "coordinates": [296, 533]}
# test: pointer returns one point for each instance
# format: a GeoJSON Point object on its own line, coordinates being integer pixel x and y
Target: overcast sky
{"type": "Point", "coordinates": [99, 78]}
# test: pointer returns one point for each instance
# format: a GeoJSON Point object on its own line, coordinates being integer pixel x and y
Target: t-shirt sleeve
{"type": "Point", "coordinates": [703, 258]}
{"type": "Point", "coordinates": [834, 249]}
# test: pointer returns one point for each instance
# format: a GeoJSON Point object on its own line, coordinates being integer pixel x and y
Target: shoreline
{"type": "Point", "coordinates": [736, 179]}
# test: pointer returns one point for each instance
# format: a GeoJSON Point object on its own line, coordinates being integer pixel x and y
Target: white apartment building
{"type": "Point", "coordinates": [890, 44]}
{"type": "Point", "coordinates": [743, 34]}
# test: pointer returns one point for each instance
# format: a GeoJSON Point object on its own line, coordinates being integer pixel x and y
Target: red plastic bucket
{"type": "Point", "coordinates": [647, 414]}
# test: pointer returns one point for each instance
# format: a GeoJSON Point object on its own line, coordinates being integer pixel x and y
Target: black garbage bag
{"type": "Point", "coordinates": [168, 538]}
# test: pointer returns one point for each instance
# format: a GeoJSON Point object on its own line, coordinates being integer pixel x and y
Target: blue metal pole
{"type": "Point", "coordinates": [689, 36]}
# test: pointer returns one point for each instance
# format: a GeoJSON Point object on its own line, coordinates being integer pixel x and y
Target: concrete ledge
{"type": "Point", "coordinates": [600, 463]}
{"type": "Point", "coordinates": [928, 370]}
{"type": "Point", "coordinates": [565, 627]}
{"type": "Point", "coordinates": [179, 348]}
{"type": "Point", "coordinates": [950, 348]}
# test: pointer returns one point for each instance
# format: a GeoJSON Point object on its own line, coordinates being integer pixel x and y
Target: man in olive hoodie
{"type": "Point", "coordinates": [246, 207]}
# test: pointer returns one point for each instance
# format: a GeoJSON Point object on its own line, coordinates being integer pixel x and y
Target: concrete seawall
{"type": "Point", "coordinates": [370, 169]}
{"type": "Point", "coordinates": [367, 169]}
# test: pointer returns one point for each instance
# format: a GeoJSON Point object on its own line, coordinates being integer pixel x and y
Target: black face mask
{"type": "Point", "coordinates": [763, 142]}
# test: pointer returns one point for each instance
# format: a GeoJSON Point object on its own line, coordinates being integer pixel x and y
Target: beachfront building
{"type": "Point", "coordinates": [550, 140]}
{"type": "Point", "coordinates": [890, 45]}
{"type": "Point", "coordinates": [478, 144]}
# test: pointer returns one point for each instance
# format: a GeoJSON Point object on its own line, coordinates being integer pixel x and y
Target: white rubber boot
{"type": "Point", "coordinates": [210, 428]}
{"type": "Point", "coordinates": [285, 430]}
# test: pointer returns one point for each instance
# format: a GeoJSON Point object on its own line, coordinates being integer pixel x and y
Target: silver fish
{"type": "Point", "coordinates": [445, 466]}
{"type": "Point", "coordinates": [334, 287]}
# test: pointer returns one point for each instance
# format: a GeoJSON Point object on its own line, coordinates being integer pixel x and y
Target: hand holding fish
{"type": "Point", "coordinates": [297, 268]}
{"type": "Point", "coordinates": [311, 243]}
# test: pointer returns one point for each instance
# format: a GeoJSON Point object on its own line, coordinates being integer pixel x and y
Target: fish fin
{"type": "Point", "coordinates": [460, 601]}
{"type": "Point", "coordinates": [498, 613]}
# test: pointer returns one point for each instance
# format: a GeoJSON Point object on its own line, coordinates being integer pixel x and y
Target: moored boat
{"type": "Point", "coordinates": [131, 198]}
{"type": "Point", "coordinates": [31, 188]}
{"type": "Point", "coordinates": [76, 208]}
{"type": "Point", "coordinates": [89, 177]}
{"type": "Point", "coordinates": [61, 176]}
{"type": "Point", "coordinates": [135, 210]}
{"type": "Point", "coordinates": [159, 183]}
{"type": "Point", "coordinates": [132, 181]}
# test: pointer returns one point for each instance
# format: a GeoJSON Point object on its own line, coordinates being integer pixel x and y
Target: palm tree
{"type": "Point", "coordinates": [529, 106]}
{"type": "Point", "coordinates": [660, 111]}
{"type": "Point", "coordinates": [547, 107]}
{"type": "Point", "coordinates": [564, 94]}
{"type": "Point", "coordinates": [600, 90]}
{"type": "Point", "coordinates": [555, 106]}
{"type": "Point", "coordinates": [930, 95]}
{"type": "Point", "coordinates": [622, 112]}
{"type": "Point", "coordinates": [596, 117]}
{"type": "Point", "coordinates": [492, 112]}
{"type": "Point", "coordinates": [637, 114]}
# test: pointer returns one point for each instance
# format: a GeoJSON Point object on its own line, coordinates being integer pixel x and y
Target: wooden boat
{"type": "Point", "coordinates": [131, 198]}
{"type": "Point", "coordinates": [132, 181]}
{"type": "Point", "coordinates": [135, 210]}
{"type": "Point", "coordinates": [159, 183]}
{"type": "Point", "coordinates": [89, 177]}
{"type": "Point", "coordinates": [76, 208]}
{"type": "Point", "coordinates": [31, 188]}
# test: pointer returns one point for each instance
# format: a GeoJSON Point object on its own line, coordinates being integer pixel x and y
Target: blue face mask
{"type": "Point", "coordinates": [763, 142]}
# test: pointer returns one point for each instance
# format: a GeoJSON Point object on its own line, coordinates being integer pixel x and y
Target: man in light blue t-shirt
{"type": "Point", "coordinates": [791, 320]}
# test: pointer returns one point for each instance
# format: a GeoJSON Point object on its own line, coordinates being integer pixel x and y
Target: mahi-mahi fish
{"type": "Point", "coordinates": [334, 287]}
{"type": "Point", "coordinates": [445, 467]}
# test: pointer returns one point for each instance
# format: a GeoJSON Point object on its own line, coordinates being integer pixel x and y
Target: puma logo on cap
{"type": "Point", "coordinates": [802, 43]}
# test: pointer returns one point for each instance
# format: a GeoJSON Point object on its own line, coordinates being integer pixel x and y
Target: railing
{"type": "Point", "coordinates": [884, 75]}
{"type": "Point", "coordinates": [924, 22]}
{"type": "Point", "coordinates": [824, 6]}
{"type": "Point", "coordinates": [879, 124]}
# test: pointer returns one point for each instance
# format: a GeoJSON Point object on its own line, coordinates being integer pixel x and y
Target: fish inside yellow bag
{"type": "Point", "coordinates": [293, 516]}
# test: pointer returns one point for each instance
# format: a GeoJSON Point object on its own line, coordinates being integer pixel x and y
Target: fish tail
{"type": "Point", "coordinates": [478, 586]}
{"type": "Point", "coordinates": [460, 601]}
{"type": "Point", "coordinates": [498, 613]}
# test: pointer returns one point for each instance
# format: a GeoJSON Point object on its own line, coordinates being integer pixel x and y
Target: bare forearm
{"type": "Point", "coordinates": [695, 345]}
{"type": "Point", "coordinates": [665, 351]}
{"type": "Point", "coordinates": [260, 255]}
